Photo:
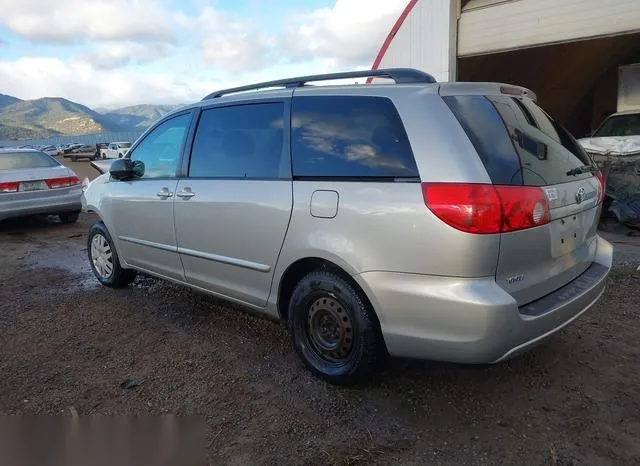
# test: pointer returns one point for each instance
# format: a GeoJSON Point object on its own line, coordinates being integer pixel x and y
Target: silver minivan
{"type": "Point", "coordinates": [443, 221]}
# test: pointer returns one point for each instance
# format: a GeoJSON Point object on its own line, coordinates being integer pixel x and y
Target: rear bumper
{"type": "Point", "coordinates": [45, 202]}
{"type": "Point", "coordinates": [474, 320]}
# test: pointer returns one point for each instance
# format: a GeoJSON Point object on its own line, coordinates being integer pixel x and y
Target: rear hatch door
{"type": "Point", "coordinates": [532, 149]}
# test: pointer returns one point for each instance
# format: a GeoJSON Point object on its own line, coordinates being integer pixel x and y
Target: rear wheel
{"type": "Point", "coordinates": [334, 332]}
{"type": "Point", "coordinates": [104, 259]}
{"type": "Point", "coordinates": [69, 217]}
{"type": "Point", "coordinates": [74, 158]}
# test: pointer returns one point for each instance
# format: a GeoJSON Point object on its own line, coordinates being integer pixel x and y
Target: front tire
{"type": "Point", "coordinates": [103, 259]}
{"type": "Point", "coordinates": [334, 332]}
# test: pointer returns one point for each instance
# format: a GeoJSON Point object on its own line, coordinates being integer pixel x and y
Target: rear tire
{"type": "Point", "coordinates": [68, 218]}
{"type": "Point", "coordinates": [74, 158]}
{"type": "Point", "coordinates": [334, 332]}
{"type": "Point", "coordinates": [104, 260]}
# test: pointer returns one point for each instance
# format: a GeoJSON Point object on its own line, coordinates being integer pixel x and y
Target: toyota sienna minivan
{"type": "Point", "coordinates": [443, 221]}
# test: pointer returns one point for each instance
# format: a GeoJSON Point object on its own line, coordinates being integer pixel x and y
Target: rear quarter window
{"type": "Point", "coordinates": [517, 141]}
{"type": "Point", "coordinates": [349, 137]}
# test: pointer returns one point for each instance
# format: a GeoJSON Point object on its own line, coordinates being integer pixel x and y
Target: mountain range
{"type": "Point", "coordinates": [55, 116]}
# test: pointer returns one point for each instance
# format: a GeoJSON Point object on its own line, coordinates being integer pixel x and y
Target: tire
{"type": "Point", "coordinates": [333, 331]}
{"type": "Point", "coordinates": [68, 218]}
{"type": "Point", "coordinates": [103, 256]}
{"type": "Point", "coordinates": [74, 158]}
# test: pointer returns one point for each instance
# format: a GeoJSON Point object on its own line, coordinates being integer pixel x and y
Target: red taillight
{"type": "Point", "coordinates": [602, 185]}
{"type": "Point", "coordinates": [485, 208]}
{"type": "Point", "coordinates": [62, 182]}
{"type": "Point", "coordinates": [11, 187]}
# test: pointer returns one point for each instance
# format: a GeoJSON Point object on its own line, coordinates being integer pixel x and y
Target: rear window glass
{"type": "Point", "coordinates": [540, 151]}
{"type": "Point", "coordinates": [349, 137]}
{"type": "Point", "coordinates": [26, 160]}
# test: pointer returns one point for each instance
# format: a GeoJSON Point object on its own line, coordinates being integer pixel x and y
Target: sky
{"type": "Point", "coordinates": [110, 53]}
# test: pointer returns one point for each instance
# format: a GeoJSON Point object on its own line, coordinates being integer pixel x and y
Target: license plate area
{"type": "Point", "coordinates": [33, 185]}
{"type": "Point", "coordinates": [568, 234]}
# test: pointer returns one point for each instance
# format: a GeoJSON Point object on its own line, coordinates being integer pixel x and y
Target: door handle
{"type": "Point", "coordinates": [185, 193]}
{"type": "Point", "coordinates": [164, 193]}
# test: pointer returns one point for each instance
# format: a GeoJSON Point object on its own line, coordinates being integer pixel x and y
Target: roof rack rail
{"type": "Point", "coordinates": [399, 75]}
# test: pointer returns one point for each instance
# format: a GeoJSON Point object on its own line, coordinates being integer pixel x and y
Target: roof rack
{"type": "Point", "coordinates": [399, 75]}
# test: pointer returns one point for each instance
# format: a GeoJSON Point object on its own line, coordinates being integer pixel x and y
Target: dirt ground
{"type": "Point", "coordinates": [67, 345]}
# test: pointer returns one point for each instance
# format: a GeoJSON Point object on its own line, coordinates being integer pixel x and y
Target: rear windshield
{"type": "Point", "coordinates": [517, 141]}
{"type": "Point", "coordinates": [18, 160]}
{"type": "Point", "coordinates": [620, 125]}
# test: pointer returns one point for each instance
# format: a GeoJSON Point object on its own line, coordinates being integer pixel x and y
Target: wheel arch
{"type": "Point", "coordinates": [301, 267]}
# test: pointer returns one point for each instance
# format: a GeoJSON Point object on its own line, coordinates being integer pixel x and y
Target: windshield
{"type": "Point", "coordinates": [620, 125]}
{"type": "Point", "coordinates": [25, 160]}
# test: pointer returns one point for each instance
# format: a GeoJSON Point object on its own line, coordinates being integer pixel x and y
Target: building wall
{"type": "Point", "coordinates": [424, 37]}
{"type": "Point", "coordinates": [509, 25]}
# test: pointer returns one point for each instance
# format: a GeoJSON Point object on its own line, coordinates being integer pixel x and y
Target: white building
{"type": "Point", "coordinates": [567, 51]}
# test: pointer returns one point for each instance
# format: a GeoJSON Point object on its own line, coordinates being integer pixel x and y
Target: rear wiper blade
{"type": "Point", "coordinates": [582, 169]}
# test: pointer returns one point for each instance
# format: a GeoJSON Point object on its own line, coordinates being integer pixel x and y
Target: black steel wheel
{"type": "Point", "coordinates": [334, 332]}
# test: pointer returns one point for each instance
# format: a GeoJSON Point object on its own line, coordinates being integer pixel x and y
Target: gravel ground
{"type": "Point", "coordinates": [68, 344]}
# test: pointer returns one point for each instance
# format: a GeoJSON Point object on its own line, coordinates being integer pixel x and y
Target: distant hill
{"type": "Point", "coordinates": [51, 116]}
{"type": "Point", "coordinates": [138, 116]}
{"type": "Point", "coordinates": [55, 116]}
{"type": "Point", "coordinates": [17, 133]}
{"type": "Point", "coordinates": [6, 100]}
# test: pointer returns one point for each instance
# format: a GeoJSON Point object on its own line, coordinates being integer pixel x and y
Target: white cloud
{"type": "Point", "coordinates": [229, 44]}
{"type": "Point", "coordinates": [34, 77]}
{"type": "Point", "coordinates": [199, 53]}
{"type": "Point", "coordinates": [348, 35]}
{"type": "Point", "coordinates": [112, 55]}
{"type": "Point", "coordinates": [72, 21]}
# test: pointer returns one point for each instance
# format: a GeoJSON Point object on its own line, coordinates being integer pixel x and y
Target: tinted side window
{"type": "Point", "coordinates": [485, 129]}
{"type": "Point", "coordinates": [350, 137]}
{"type": "Point", "coordinates": [243, 141]}
{"type": "Point", "coordinates": [547, 150]}
{"type": "Point", "coordinates": [160, 150]}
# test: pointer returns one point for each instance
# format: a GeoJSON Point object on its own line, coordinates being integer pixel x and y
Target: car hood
{"type": "Point", "coordinates": [613, 145]}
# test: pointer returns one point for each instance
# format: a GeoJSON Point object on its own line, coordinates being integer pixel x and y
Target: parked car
{"type": "Point", "coordinates": [86, 151]}
{"type": "Point", "coordinates": [33, 182]}
{"type": "Point", "coordinates": [618, 134]}
{"type": "Point", "coordinates": [71, 148]}
{"type": "Point", "coordinates": [115, 150]}
{"type": "Point", "coordinates": [615, 146]}
{"type": "Point", "coordinates": [442, 221]}
{"type": "Point", "coordinates": [51, 150]}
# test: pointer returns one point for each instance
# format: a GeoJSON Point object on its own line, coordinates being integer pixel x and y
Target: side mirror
{"type": "Point", "coordinates": [122, 169]}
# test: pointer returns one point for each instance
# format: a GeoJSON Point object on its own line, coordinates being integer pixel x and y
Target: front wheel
{"type": "Point", "coordinates": [334, 332]}
{"type": "Point", "coordinates": [104, 259]}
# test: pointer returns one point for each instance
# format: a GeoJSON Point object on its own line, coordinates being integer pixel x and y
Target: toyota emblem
{"type": "Point", "coordinates": [580, 195]}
